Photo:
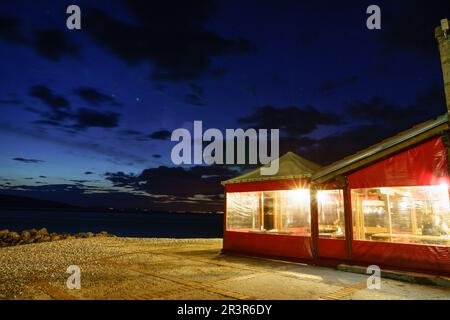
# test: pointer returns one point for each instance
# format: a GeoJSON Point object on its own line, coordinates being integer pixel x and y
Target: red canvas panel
{"type": "Point", "coordinates": [274, 185]}
{"type": "Point", "coordinates": [423, 165]}
{"type": "Point", "coordinates": [408, 256]}
{"type": "Point", "coordinates": [269, 245]}
{"type": "Point", "coordinates": [332, 249]}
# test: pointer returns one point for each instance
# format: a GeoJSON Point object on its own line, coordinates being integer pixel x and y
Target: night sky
{"type": "Point", "coordinates": [86, 115]}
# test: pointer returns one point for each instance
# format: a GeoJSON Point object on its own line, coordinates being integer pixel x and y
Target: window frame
{"type": "Point", "coordinates": [390, 230]}
{"type": "Point", "coordinates": [277, 214]}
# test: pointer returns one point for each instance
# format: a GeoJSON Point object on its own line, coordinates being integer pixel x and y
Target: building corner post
{"type": "Point", "coordinates": [443, 39]}
{"type": "Point", "coordinates": [442, 34]}
{"type": "Point", "coordinates": [348, 217]}
{"type": "Point", "coordinates": [314, 222]}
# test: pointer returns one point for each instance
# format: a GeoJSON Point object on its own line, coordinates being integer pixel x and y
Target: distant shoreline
{"type": "Point", "coordinates": [121, 223]}
{"type": "Point", "coordinates": [107, 210]}
{"type": "Point", "coordinates": [14, 202]}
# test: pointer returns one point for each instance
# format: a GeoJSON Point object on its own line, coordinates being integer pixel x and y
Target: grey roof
{"type": "Point", "coordinates": [291, 166]}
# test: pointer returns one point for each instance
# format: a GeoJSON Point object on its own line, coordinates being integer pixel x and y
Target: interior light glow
{"type": "Point", "coordinates": [299, 196]}
{"type": "Point", "coordinates": [323, 197]}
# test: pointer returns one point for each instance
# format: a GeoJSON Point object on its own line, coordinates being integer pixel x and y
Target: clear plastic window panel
{"type": "Point", "coordinates": [284, 212]}
{"type": "Point", "coordinates": [294, 211]}
{"type": "Point", "coordinates": [419, 215]}
{"type": "Point", "coordinates": [331, 214]}
{"type": "Point", "coordinates": [243, 211]}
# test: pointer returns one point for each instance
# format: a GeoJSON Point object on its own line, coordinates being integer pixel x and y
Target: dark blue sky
{"type": "Point", "coordinates": [86, 115]}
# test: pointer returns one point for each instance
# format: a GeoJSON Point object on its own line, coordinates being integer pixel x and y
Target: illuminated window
{"type": "Point", "coordinates": [403, 214]}
{"type": "Point", "coordinates": [243, 211]}
{"type": "Point", "coordinates": [291, 211]}
{"type": "Point", "coordinates": [331, 214]}
{"type": "Point", "coordinates": [285, 212]}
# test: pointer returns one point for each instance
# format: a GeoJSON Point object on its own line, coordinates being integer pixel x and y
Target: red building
{"type": "Point", "coordinates": [387, 205]}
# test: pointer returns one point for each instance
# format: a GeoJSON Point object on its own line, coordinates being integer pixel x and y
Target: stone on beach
{"type": "Point", "coordinates": [11, 238]}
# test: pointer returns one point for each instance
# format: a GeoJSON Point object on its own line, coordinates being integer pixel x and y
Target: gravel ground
{"type": "Point", "coordinates": [131, 268]}
{"type": "Point", "coordinates": [21, 267]}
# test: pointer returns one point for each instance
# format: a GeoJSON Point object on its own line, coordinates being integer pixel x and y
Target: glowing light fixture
{"type": "Point", "coordinates": [299, 196]}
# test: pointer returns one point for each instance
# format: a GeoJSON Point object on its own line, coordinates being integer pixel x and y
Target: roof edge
{"type": "Point", "coordinates": [269, 178]}
{"type": "Point", "coordinates": [371, 151]}
{"type": "Point", "coordinates": [299, 175]}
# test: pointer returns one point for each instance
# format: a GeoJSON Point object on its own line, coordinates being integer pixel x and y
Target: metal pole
{"type": "Point", "coordinates": [314, 221]}
{"type": "Point", "coordinates": [443, 38]}
{"type": "Point", "coordinates": [442, 35]}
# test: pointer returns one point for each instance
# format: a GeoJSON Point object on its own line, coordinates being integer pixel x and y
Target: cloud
{"type": "Point", "coordinates": [52, 44]}
{"type": "Point", "coordinates": [309, 38]}
{"type": "Point", "coordinates": [78, 181]}
{"type": "Point", "coordinates": [196, 89]}
{"type": "Point", "coordinates": [376, 119]}
{"type": "Point", "coordinates": [89, 196]}
{"type": "Point", "coordinates": [175, 181]}
{"type": "Point", "coordinates": [194, 100]}
{"type": "Point", "coordinates": [49, 43]}
{"type": "Point", "coordinates": [46, 95]}
{"type": "Point", "coordinates": [46, 122]}
{"type": "Point", "coordinates": [294, 144]}
{"type": "Point", "coordinates": [10, 102]}
{"type": "Point", "coordinates": [95, 97]}
{"type": "Point", "coordinates": [339, 145]}
{"type": "Point", "coordinates": [196, 95]}
{"type": "Point", "coordinates": [134, 134]}
{"type": "Point", "coordinates": [295, 124]}
{"type": "Point", "coordinates": [375, 109]}
{"type": "Point", "coordinates": [10, 30]}
{"type": "Point", "coordinates": [130, 132]}
{"type": "Point", "coordinates": [291, 121]}
{"type": "Point", "coordinates": [170, 35]}
{"type": "Point", "coordinates": [331, 85]}
{"type": "Point", "coordinates": [121, 179]}
{"type": "Point", "coordinates": [118, 155]}
{"type": "Point", "coordinates": [380, 120]}
{"type": "Point", "coordinates": [160, 135]}
{"type": "Point", "coordinates": [81, 119]}
{"type": "Point", "coordinates": [428, 104]}
{"type": "Point", "coordinates": [88, 118]}
{"type": "Point", "coordinates": [61, 115]}
{"type": "Point", "coordinates": [417, 34]}
{"type": "Point", "coordinates": [24, 160]}
{"type": "Point", "coordinates": [431, 100]}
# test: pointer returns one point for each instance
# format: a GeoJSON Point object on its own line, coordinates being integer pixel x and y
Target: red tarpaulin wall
{"type": "Point", "coordinates": [423, 165]}
{"type": "Point", "coordinates": [263, 244]}
{"type": "Point", "coordinates": [270, 245]}
{"type": "Point", "coordinates": [402, 255]}
{"type": "Point", "coordinates": [332, 249]}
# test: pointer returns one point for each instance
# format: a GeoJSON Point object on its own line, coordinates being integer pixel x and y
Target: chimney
{"type": "Point", "coordinates": [442, 34]}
